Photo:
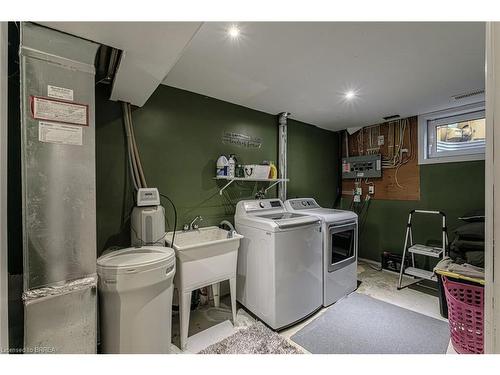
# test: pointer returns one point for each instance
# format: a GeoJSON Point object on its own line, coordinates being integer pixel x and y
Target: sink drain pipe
{"type": "Point", "coordinates": [282, 152]}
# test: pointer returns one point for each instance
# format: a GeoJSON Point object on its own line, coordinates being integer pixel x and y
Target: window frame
{"type": "Point", "coordinates": [424, 156]}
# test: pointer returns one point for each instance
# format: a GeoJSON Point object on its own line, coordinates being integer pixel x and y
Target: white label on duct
{"type": "Point", "coordinates": [60, 133]}
{"type": "Point", "coordinates": [55, 110]}
{"type": "Point", "coordinates": [59, 93]}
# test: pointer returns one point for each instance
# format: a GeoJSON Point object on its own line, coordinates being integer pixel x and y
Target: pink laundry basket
{"type": "Point", "coordinates": [465, 316]}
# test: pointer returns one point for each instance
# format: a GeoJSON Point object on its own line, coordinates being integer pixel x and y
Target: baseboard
{"type": "Point", "coordinates": [374, 262]}
{"type": "Point", "coordinates": [377, 264]}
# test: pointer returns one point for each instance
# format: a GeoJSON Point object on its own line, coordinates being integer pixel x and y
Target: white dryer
{"type": "Point", "coordinates": [340, 247]}
{"type": "Point", "coordinates": [279, 272]}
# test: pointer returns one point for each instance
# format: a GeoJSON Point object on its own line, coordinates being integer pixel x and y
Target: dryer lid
{"type": "Point", "coordinates": [308, 206]}
{"type": "Point", "coordinates": [332, 215]}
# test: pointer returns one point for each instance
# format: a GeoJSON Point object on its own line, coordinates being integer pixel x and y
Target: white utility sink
{"type": "Point", "coordinates": [204, 256]}
{"type": "Point", "coordinates": [203, 243]}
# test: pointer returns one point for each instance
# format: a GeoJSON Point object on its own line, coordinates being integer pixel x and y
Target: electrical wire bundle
{"type": "Point", "coordinates": [373, 136]}
{"type": "Point", "coordinates": [361, 209]}
{"type": "Point", "coordinates": [397, 158]}
{"type": "Point", "coordinates": [396, 138]}
{"type": "Point", "coordinates": [398, 155]}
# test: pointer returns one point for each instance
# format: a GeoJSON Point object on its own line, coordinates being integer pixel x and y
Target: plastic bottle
{"type": "Point", "coordinates": [222, 166]}
{"type": "Point", "coordinates": [231, 170]}
{"type": "Point", "coordinates": [273, 172]}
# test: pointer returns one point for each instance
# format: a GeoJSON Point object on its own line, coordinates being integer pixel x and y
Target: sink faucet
{"type": "Point", "coordinates": [192, 225]}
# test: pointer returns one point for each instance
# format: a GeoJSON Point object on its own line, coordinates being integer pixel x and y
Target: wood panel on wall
{"type": "Point", "coordinates": [400, 183]}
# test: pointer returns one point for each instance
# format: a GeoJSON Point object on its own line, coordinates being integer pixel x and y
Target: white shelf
{"type": "Point", "coordinates": [274, 181]}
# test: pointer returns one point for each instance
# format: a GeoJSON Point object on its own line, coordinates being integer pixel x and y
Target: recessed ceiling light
{"type": "Point", "coordinates": [350, 95]}
{"type": "Point", "coordinates": [234, 31]}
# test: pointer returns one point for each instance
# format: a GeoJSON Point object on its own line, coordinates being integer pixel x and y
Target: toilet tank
{"type": "Point", "coordinates": [147, 226]}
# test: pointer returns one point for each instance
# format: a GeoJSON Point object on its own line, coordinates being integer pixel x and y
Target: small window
{"type": "Point", "coordinates": [453, 135]}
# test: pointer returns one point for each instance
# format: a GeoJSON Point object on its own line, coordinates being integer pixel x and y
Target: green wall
{"type": "Point", "coordinates": [454, 188]}
{"type": "Point", "coordinates": [179, 135]}
{"type": "Point", "coordinates": [313, 163]}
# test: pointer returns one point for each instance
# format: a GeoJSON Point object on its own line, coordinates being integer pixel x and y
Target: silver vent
{"type": "Point", "coordinates": [468, 94]}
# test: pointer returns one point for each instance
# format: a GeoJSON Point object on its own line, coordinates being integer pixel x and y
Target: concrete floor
{"type": "Point", "coordinates": [209, 324]}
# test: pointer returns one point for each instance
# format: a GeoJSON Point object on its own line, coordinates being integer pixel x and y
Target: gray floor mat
{"type": "Point", "coordinates": [256, 339]}
{"type": "Point", "coordinates": [360, 324]}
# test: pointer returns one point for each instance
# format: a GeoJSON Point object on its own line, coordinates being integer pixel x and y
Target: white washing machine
{"type": "Point", "coordinates": [279, 272]}
{"type": "Point", "coordinates": [340, 247]}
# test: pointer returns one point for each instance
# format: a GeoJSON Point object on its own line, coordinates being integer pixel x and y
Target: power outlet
{"type": "Point", "coordinates": [359, 191]}
{"type": "Point", "coordinates": [380, 140]}
{"type": "Point", "coordinates": [357, 198]}
{"type": "Point", "coordinates": [371, 189]}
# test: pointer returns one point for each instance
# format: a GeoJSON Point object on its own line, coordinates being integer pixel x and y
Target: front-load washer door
{"type": "Point", "coordinates": [342, 245]}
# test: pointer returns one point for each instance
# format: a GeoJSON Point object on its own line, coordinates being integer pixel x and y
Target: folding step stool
{"type": "Point", "coordinates": [428, 251]}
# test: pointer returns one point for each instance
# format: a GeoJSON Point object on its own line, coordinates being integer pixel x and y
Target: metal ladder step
{"type": "Point", "coordinates": [429, 251]}
{"type": "Point", "coordinates": [420, 273]}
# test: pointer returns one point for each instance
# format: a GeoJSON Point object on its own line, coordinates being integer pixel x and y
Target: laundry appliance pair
{"type": "Point", "coordinates": [295, 257]}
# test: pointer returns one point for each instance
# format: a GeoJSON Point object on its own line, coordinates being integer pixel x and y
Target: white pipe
{"type": "Point", "coordinates": [282, 153]}
{"type": "Point", "coordinates": [135, 153]}
{"type": "Point", "coordinates": [129, 148]}
{"type": "Point", "coordinates": [131, 159]}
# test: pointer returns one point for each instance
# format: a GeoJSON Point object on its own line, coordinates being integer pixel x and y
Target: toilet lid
{"type": "Point", "coordinates": [136, 259]}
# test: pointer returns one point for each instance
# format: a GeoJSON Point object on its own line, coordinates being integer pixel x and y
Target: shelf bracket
{"type": "Point", "coordinates": [225, 186]}
{"type": "Point", "coordinates": [272, 185]}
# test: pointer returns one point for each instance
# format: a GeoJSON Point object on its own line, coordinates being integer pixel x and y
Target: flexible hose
{"type": "Point", "coordinates": [129, 153]}
{"type": "Point", "coordinates": [136, 151]}
{"type": "Point", "coordinates": [134, 160]}
{"type": "Point", "coordinates": [175, 216]}
{"type": "Point", "coordinates": [132, 170]}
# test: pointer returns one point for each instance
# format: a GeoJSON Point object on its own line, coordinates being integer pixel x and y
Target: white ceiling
{"type": "Point", "coordinates": [305, 68]}
{"type": "Point", "coordinates": [300, 67]}
{"type": "Point", "coordinates": [150, 50]}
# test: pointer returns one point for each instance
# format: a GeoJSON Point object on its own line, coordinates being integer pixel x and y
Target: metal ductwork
{"type": "Point", "coordinates": [58, 184]}
{"type": "Point", "coordinates": [107, 61]}
{"type": "Point", "coordinates": [282, 153]}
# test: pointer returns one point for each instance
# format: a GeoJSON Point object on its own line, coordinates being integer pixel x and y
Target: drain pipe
{"type": "Point", "coordinates": [282, 155]}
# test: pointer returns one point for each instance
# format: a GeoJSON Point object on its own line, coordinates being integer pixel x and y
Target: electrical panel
{"type": "Point", "coordinates": [366, 166]}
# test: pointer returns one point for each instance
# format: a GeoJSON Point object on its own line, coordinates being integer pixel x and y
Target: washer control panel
{"type": "Point", "coordinates": [303, 204]}
{"type": "Point", "coordinates": [265, 204]}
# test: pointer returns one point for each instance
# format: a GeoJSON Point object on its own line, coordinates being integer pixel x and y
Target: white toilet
{"type": "Point", "coordinates": [135, 298]}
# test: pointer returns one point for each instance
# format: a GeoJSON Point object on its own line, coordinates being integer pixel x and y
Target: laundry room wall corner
{"type": "Point", "coordinates": [313, 163]}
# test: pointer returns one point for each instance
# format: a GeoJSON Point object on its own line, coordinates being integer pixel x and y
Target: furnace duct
{"type": "Point", "coordinates": [58, 191]}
